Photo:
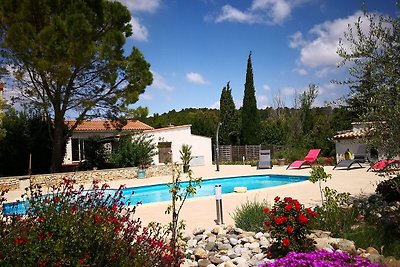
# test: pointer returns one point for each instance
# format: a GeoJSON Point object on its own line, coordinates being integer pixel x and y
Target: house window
{"type": "Point", "coordinates": [78, 148]}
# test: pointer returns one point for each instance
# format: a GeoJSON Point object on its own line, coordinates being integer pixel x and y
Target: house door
{"type": "Point", "coordinates": [164, 152]}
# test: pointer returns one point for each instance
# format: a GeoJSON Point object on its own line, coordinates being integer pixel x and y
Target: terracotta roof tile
{"type": "Point", "coordinates": [105, 125]}
{"type": "Point", "coordinates": [350, 134]}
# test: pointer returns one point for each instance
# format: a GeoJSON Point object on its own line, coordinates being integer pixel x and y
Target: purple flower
{"type": "Point", "coordinates": [320, 258]}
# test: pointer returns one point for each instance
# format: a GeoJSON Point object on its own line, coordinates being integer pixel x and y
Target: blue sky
{"type": "Point", "coordinates": [196, 46]}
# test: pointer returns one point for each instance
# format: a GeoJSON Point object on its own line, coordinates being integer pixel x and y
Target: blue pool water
{"type": "Point", "coordinates": [160, 192]}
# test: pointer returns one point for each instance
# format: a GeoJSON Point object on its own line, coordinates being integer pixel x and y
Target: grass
{"type": "Point", "coordinates": [250, 215]}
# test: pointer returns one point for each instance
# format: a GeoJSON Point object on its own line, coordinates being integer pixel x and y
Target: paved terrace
{"type": "Point", "coordinates": [201, 211]}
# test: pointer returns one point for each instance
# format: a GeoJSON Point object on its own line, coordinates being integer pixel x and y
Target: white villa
{"type": "Point", "coordinates": [169, 141]}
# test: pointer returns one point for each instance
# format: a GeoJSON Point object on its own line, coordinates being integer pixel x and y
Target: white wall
{"type": "Point", "coordinates": [355, 147]}
{"type": "Point", "coordinates": [179, 135]}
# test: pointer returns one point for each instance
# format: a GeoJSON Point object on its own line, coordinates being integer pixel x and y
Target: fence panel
{"type": "Point", "coordinates": [229, 153]}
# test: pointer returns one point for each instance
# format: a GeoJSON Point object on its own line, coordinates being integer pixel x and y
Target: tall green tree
{"type": "Point", "coordinates": [307, 98]}
{"type": "Point", "coordinates": [250, 128]}
{"type": "Point", "coordinates": [2, 104]}
{"type": "Point", "coordinates": [229, 131]}
{"type": "Point", "coordinates": [374, 55]}
{"type": "Point", "coordinates": [67, 57]}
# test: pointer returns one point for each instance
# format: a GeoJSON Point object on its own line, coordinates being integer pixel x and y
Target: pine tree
{"type": "Point", "coordinates": [229, 132]}
{"type": "Point", "coordinates": [250, 118]}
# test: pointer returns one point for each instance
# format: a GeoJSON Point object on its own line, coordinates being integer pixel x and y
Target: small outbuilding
{"type": "Point", "coordinates": [353, 140]}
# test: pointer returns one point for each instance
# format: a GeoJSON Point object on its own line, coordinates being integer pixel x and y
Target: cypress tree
{"type": "Point", "coordinates": [250, 129]}
{"type": "Point", "coordinates": [229, 132]}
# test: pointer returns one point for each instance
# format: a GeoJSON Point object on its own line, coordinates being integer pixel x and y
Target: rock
{"type": "Point", "coordinates": [204, 263]}
{"type": "Point", "coordinates": [375, 258]}
{"type": "Point", "coordinates": [239, 261]}
{"type": "Point", "coordinates": [210, 246]}
{"type": "Point", "coordinates": [392, 262]}
{"type": "Point", "coordinates": [191, 243]}
{"type": "Point", "coordinates": [217, 230]}
{"type": "Point", "coordinates": [233, 241]}
{"type": "Point", "coordinates": [229, 264]}
{"type": "Point", "coordinates": [198, 231]}
{"type": "Point", "coordinates": [222, 246]}
{"type": "Point", "coordinates": [344, 245]}
{"type": "Point", "coordinates": [200, 253]}
{"type": "Point", "coordinates": [225, 258]}
{"type": "Point", "coordinates": [372, 250]}
{"type": "Point", "coordinates": [216, 260]}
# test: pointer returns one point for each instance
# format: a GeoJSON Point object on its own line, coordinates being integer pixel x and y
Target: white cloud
{"type": "Point", "coordinates": [146, 97]}
{"type": "Point", "coordinates": [321, 51]}
{"type": "Point", "coordinates": [139, 32]}
{"type": "Point", "coordinates": [215, 105]}
{"type": "Point", "coordinates": [195, 77]}
{"type": "Point", "coordinates": [287, 91]}
{"type": "Point", "coordinates": [297, 40]}
{"type": "Point", "coordinates": [262, 101]}
{"type": "Point", "coordinates": [266, 87]}
{"type": "Point", "coordinates": [160, 83]}
{"type": "Point", "coordinates": [232, 14]}
{"type": "Point", "coordinates": [301, 71]}
{"type": "Point", "coordinates": [149, 6]}
{"type": "Point", "coordinates": [260, 11]}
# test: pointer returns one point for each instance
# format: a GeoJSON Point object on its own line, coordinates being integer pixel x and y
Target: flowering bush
{"type": "Point", "coordinates": [74, 227]}
{"type": "Point", "coordinates": [320, 258]}
{"type": "Point", "coordinates": [288, 222]}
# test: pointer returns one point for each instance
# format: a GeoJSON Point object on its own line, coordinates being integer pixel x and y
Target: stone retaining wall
{"type": "Point", "coordinates": [9, 184]}
{"type": "Point", "coordinates": [85, 176]}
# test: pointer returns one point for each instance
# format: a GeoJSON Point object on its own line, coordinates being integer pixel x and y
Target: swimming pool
{"type": "Point", "coordinates": [160, 192]}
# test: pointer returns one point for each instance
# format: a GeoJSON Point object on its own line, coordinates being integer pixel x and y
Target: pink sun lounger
{"type": "Point", "coordinates": [383, 165]}
{"type": "Point", "coordinates": [311, 158]}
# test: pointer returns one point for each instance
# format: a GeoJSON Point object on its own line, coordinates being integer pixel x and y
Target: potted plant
{"type": "Point", "coordinates": [186, 156]}
{"type": "Point", "coordinates": [280, 158]}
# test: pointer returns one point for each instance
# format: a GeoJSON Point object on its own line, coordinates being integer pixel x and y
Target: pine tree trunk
{"type": "Point", "coordinates": [58, 143]}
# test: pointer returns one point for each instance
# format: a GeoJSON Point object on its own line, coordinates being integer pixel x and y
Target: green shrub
{"type": "Point", "coordinates": [250, 215]}
{"type": "Point", "coordinates": [134, 151]}
{"type": "Point", "coordinates": [335, 214]}
{"type": "Point", "coordinates": [74, 227]}
{"type": "Point", "coordinates": [389, 189]}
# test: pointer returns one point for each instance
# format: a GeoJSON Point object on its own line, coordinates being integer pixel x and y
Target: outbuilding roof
{"type": "Point", "coordinates": [107, 125]}
{"type": "Point", "coordinates": [350, 134]}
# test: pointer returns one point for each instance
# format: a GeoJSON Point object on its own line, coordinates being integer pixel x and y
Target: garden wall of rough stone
{"type": "Point", "coordinates": [14, 183]}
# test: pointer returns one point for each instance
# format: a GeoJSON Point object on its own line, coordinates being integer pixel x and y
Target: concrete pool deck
{"type": "Point", "coordinates": [201, 211]}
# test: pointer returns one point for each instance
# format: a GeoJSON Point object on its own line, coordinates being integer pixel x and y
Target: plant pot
{"type": "Point", "coordinates": [141, 173]}
{"type": "Point", "coordinates": [186, 168]}
{"type": "Point", "coordinates": [281, 162]}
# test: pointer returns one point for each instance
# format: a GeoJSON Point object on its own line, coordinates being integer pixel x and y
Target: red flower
{"type": "Point", "coordinates": [281, 220]}
{"type": "Point", "coordinates": [287, 199]}
{"type": "Point", "coordinates": [40, 219]}
{"type": "Point", "coordinates": [114, 207]}
{"type": "Point", "coordinates": [42, 263]}
{"type": "Point", "coordinates": [290, 229]}
{"type": "Point", "coordinates": [277, 198]}
{"type": "Point", "coordinates": [302, 219]}
{"type": "Point", "coordinates": [285, 242]}
{"type": "Point", "coordinates": [311, 212]}
{"type": "Point", "coordinates": [288, 207]}
{"type": "Point", "coordinates": [266, 210]}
